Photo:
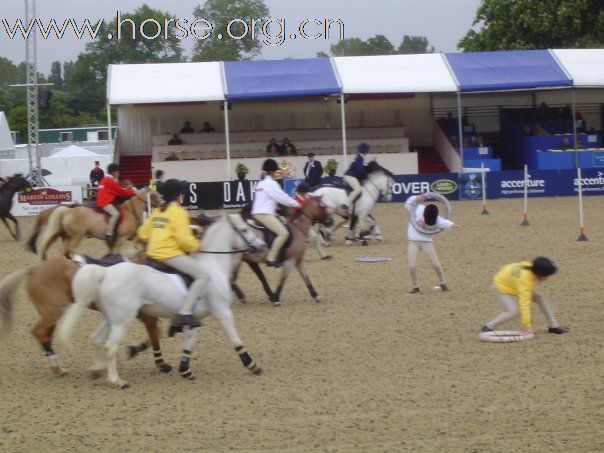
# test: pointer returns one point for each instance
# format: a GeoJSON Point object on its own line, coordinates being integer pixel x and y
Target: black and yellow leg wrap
{"type": "Point", "coordinates": [247, 361]}
{"type": "Point", "coordinates": [184, 369]}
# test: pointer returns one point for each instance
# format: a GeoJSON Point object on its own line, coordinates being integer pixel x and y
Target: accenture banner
{"type": "Point", "coordinates": [32, 203]}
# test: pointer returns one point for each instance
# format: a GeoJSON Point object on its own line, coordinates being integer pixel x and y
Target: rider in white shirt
{"type": "Point", "coordinates": [418, 241]}
{"type": "Point", "coordinates": [267, 195]}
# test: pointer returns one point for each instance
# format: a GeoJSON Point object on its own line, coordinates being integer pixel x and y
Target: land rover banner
{"type": "Point", "coordinates": [32, 203]}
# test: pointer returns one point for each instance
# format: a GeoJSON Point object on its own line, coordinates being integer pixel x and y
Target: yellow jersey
{"type": "Point", "coordinates": [517, 279]}
{"type": "Point", "coordinates": [167, 233]}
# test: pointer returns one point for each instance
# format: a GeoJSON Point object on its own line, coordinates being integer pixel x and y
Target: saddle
{"type": "Point", "coordinates": [105, 215]}
{"type": "Point", "coordinates": [106, 261]}
{"type": "Point", "coordinates": [267, 235]}
{"type": "Point", "coordinates": [166, 269]}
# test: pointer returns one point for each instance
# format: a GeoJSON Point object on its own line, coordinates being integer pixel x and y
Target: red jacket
{"type": "Point", "coordinates": [108, 190]}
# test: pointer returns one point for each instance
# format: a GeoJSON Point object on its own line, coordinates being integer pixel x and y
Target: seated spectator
{"type": "Point", "coordinates": [539, 130]}
{"type": "Point", "coordinates": [580, 144]}
{"type": "Point", "coordinates": [454, 141]}
{"type": "Point", "coordinates": [175, 140]}
{"type": "Point", "coordinates": [158, 182]}
{"type": "Point", "coordinates": [480, 141]}
{"type": "Point", "coordinates": [565, 144]}
{"type": "Point", "coordinates": [450, 119]}
{"type": "Point", "coordinates": [288, 148]}
{"type": "Point", "coordinates": [207, 128]}
{"type": "Point", "coordinates": [544, 112]}
{"type": "Point", "coordinates": [467, 142]}
{"type": "Point", "coordinates": [172, 156]}
{"type": "Point", "coordinates": [187, 129]}
{"type": "Point", "coordinates": [273, 148]}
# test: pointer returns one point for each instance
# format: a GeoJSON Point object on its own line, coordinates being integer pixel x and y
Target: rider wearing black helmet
{"type": "Point", "coordinates": [268, 194]}
{"type": "Point", "coordinates": [169, 239]}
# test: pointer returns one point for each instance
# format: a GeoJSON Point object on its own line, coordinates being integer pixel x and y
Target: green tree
{"type": "Point", "coordinates": [377, 45]}
{"type": "Point", "coordinates": [220, 13]}
{"type": "Point", "coordinates": [133, 47]}
{"type": "Point", "coordinates": [414, 45]}
{"type": "Point", "coordinates": [519, 24]}
{"type": "Point", "coordinates": [56, 75]}
{"type": "Point", "coordinates": [17, 120]}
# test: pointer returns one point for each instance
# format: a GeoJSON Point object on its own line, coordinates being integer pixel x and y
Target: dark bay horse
{"type": "Point", "coordinates": [8, 188]}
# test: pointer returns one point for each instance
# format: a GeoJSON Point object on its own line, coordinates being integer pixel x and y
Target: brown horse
{"type": "Point", "coordinates": [299, 224]}
{"type": "Point", "coordinates": [74, 223]}
{"type": "Point", "coordinates": [49, 287]}
{"type": "Point", "coordinates": [8, 188]}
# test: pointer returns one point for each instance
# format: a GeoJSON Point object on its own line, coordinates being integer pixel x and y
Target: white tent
{"type": "Point", "coordinates": [426, 73]}
{"type": "Point", "coordinates": [584, 66]}
{"type": "Point", "coordinates": [7, 146]}
{"type": "Point", "coordinates": [74, 151]}
{"type": "Point", "coordinates": [164, 82]}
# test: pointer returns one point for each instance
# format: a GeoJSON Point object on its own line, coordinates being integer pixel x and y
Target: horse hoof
{"type": "Point", "coordinates": [276, 303]}
{"type": "Point", "coordinates": [165, 368]}
{"type": "Point", "coordinates": [124, 386]}
{"type": "Point", "coordinates": [96, 374]}
{"type": "Point", "coordinates": [190, 378]}
{"type": "Point", "coordinates": [379, 238]}
{"type": "Point", "coordinates": [243, 301]}
{"type": "Point", "coordinates": [364, 243]}
{"type": "Point", "coordinates": [119, 384]}
{"type": "Point", "coordinates": [258, 370]}
{"type": "Point", "coordinates": [317, 298]}
{"type": "Point", "coordinates": [60, 372]}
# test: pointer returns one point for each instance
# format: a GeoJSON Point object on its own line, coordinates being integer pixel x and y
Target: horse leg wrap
{"type": "Point", "coordinates": [47, 349]}
{"type": "Point", "coordinates": [184, 369]}
{"type": "Point", "coordinates": [312, 291]}
{"type": "Point", "coordinates": [133, 351]}
{"type": "Point", "coordinates": [247, 361]}
{"type": "Point", "coordinates": [160, 364]}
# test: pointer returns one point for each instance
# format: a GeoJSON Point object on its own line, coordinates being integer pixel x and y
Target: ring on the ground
{"type": "Point", "coordinates": [372, 259]}
{"type": "Point", "coordinates": [430, 196]}
{"type": "Point", "coordinates": [504, 336]}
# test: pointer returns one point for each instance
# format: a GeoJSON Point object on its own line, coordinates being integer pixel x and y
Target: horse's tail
{"type": "Point", "coordinates": [84, 286]}
{"type": "Point", "coordinates": [53, 229]}
{"type": "Point", "coordinates": [8, 285]}
{"type": "Point", "coordinates": [41, 222]}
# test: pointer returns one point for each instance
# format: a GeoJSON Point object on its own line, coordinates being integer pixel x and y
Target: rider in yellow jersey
{"type": "Point", "coordinates": [169, 239]}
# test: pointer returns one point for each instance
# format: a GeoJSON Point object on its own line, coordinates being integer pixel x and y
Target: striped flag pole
{"type": "Point", "coordinates": [582, 236]}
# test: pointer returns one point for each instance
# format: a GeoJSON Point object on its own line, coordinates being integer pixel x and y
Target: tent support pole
{"type": "Point", "coordinates": [109, 125]}
{"type": "Point", "coordinates": [460, 125]}
{"type": "Point", "coordinates": [574, 120]}
{"type": "Point", "coordinates": [344, 143]}
{"type": "Point", "coordinates": [228, 140]}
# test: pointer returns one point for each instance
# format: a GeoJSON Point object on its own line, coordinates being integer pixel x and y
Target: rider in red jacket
{"type": "Point", "coordinates": [109, 189]}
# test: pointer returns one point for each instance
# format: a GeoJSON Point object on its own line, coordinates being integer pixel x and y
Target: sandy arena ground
{"type": "Point", "coordinates": [371, 368]}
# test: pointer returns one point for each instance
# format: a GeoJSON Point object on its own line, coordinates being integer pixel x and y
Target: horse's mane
{"type": "Point", "coordinates": [212, 230]}
{"type": "Point", "coordinates": [374, 167]}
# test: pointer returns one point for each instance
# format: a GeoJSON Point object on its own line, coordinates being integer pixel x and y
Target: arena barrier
{"type": "Point", "coordinates": [454, 186]}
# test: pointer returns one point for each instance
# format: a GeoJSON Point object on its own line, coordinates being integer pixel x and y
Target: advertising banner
{"type": "Point", "coordinates": [219, 195]}
{"type": "Point", "coordinates": [32, 203]}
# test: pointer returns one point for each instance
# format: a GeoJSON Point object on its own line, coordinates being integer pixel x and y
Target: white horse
{"type": "Point", "coordinates": [379, 182]}
{"type": "Point", "coordinates": [122, 291]}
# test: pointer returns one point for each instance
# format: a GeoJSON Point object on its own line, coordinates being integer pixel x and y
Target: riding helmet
{"type": "Point", "coordinates": [172, 189]}
{"type": "Point", "coordinates": [270, 166]}
{"type": "Point", "coordinates": [543, 267]}
{"type": "Point", "coordinates": [363, 148]}
{"type": "Point", "coordinates": [113, 167]}
{"type": "Point", "coordinates": [431, 214]}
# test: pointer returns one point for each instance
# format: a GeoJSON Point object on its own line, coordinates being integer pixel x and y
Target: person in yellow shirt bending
{"type": "Point", "coordinates": [518, 280]}
{"type": "Point", "coordinates": [169, 239]}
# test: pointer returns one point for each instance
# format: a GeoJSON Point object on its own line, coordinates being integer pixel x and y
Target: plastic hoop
{"type": "Point", "coordinates": [504, 336]}
{"type": "Point", "coordinates": [372, 259]}
{"type": "Point", "coordinates": [430, 196]}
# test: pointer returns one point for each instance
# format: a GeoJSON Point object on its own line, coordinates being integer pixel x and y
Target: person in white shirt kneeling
{"type": "Point", "coordinates": [418, 241]}
{"type": "Point", "coordinates": [268, 194]}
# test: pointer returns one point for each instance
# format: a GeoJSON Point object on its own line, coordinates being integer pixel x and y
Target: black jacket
{"type": "Point", "coordinates": [313, 174]}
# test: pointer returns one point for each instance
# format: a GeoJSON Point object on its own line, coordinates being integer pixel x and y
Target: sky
{"type": "Point", "coordinates": [443, 22]}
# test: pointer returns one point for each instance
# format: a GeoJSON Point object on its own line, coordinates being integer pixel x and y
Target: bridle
{"type": "Point", "coordinates": [385, 193]}
{"type": "Point", "coordinates": [250, 249]}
